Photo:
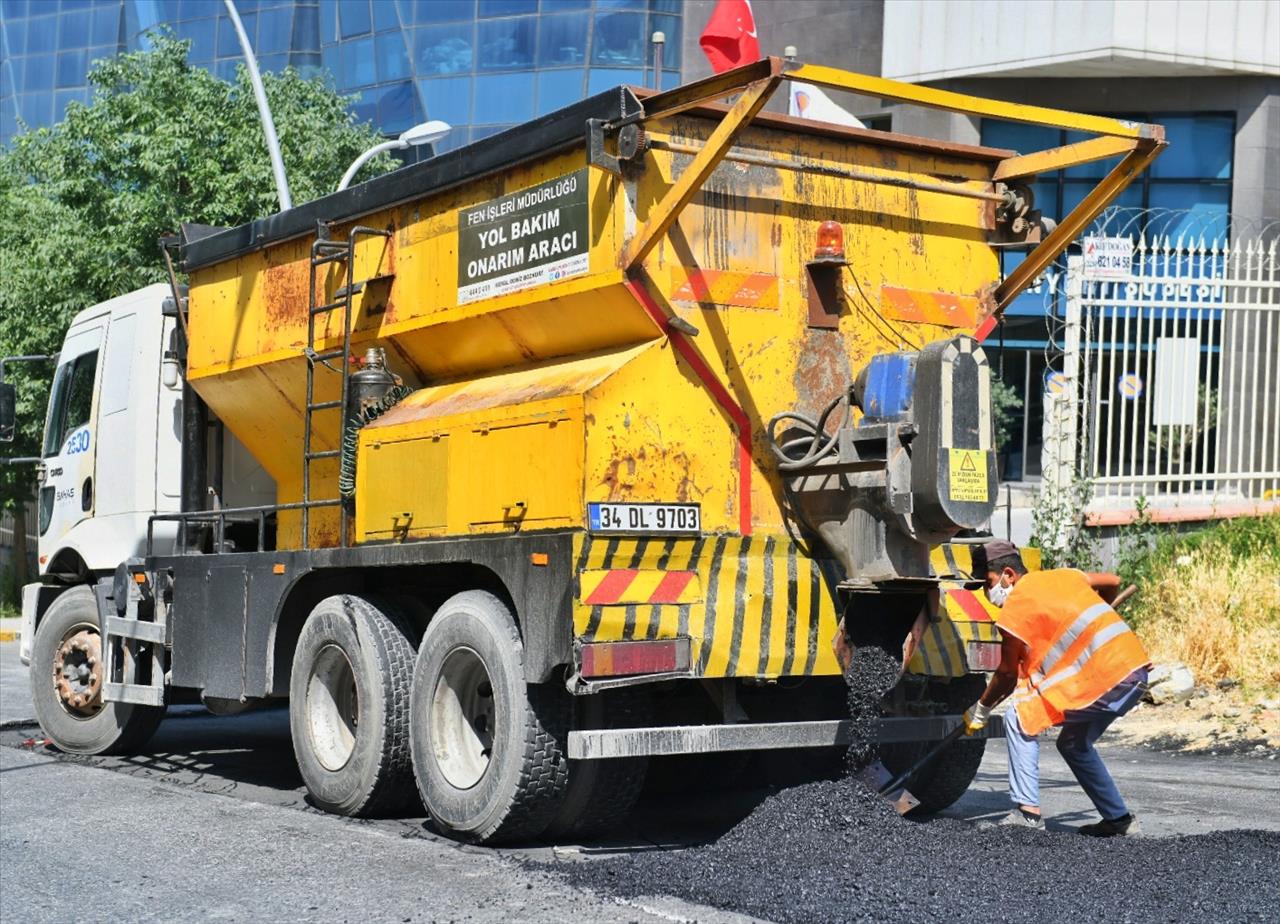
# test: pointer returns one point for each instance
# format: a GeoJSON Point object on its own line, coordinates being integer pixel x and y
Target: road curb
{"type": "Point", "coordinates": [7, 635]}
{"type": "Point", "coordinates": [8, 724]}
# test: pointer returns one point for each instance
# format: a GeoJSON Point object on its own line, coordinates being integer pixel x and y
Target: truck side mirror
{"type": "Point", "coordinates": [8, 412]}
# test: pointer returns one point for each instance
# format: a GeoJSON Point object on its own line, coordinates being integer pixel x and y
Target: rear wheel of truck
{"type": "Point", "coordinates": [66, 684]}
{"type": "Point", "coordinates": [951, 773]}
{"type": "Point", "coordinates": [602, 793]}
{"type": "Point", "coordinates": [488, 747]}
{"type": "Point", "coordinates": [349, 707]}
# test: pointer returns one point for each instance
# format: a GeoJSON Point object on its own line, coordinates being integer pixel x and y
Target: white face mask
{"type": "Point", "coordinates": [998, 594]}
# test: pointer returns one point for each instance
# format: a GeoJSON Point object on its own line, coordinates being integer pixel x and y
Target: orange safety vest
{"type": "Point", "coordinates": [1078, 646]}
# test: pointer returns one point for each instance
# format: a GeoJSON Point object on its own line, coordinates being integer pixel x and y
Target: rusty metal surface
{"type": "Point", "coordinates": [77, 673]}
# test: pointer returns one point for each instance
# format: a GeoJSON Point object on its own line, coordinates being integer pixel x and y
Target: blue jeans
{"type": "Point", "coordinates": [1080, 729]}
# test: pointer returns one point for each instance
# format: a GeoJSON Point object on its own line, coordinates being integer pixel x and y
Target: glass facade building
{"type": "Point", "coordinates": [480, 65]}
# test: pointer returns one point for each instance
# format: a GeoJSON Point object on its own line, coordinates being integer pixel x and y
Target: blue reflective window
{"type": "Point", "coordinates": [507, 7]}
{"type": "Point", "coordinates": [503, 98]}
{"type": "Point", "coordinates": [228, 43]}
{"type": "Point", "coordinates": [393, 60]}
{"type": "Point", "coordinates": [433, 11]}
{"type": "Point", "coordinates": [665, 6]}
{"type": "Point", "coordinates": [70, 5]}
{"type": "Point", "coordinates": [622, 4]}
{"type": "Point", "coordinates": [72, 67]}
{"type": "Point", "coordinates": [447, 98]}
{"type": "Point", "coordinates": [1016, 137]}
{"type": "Point", "coordinates": [329, 60]}
{"type": "Point", "coordinates": [669, 26]}
{"type": "Point", "coordinates": [365, 108]}
{"type": "Point", "coordinates": [274, 63]}
{"type": "Point", "coordinates": [328, 22]}
{"type": "Point", "coordinates": [397, 108]}
{"type": "Point", "coordinates": [200, 35]}
{"type": "Point", "coordinates": [562, 39]}
{"type": "Point", "coordinates": [618, 39]}
{"type": "Point", "coordinates": [557, 89]}
{"type": "Point", "coordinates": [275, 30]}
{"type": "Point", "coordinates": [39, 73]}
{"type": "Point", "coordinates": [36, 108]}
{"type": "Point", "coordinates": [443, 49]}
{"type": "Point", "coordinates": [605, 78]}
{"type": "Point", "coordinates": [385, 15]}
{"type": "Point", "coordinates": [306, 29]}
{"type": "Point", "coordinates": [16, 31]}
{"type": "Point", "coordinates": [560, 6]}
{"type": "Point", "coordinates": [197, 9]}
{"type": "Point", "coordinates": [506, 43]}
{"type": "Point", "coordinates": [75, 29]}
{"type": "Point", "coordinates": [14, 9]}
{"type": "Point", "coordinates": [105, 25]}
{"type": "Point", "coordinates": [1199, 147]}
{"type": "Point", "coordinates": [42, 34]}
{"type": "Point", "coordinates": [354, 17]}
{"type": "Point", "coordinates": [356, 67]}
{"type": "Point", "coordinates": [226, 69]}
{"type": "Point", "coordinates": [1196, 209]}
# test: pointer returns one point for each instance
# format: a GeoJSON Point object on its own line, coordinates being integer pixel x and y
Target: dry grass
{"type": "Point", "coordinates": [1214, 604]}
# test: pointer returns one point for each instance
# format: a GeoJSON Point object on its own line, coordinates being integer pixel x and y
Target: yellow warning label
{"type": "Point", "coordinates": [968, 475]}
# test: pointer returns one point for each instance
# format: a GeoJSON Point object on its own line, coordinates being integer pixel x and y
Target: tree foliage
{"type": "Point", "coordinates": [82, 204]}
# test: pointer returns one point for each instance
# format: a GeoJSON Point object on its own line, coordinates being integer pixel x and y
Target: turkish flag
{"type": "Point", "coordinates": [730, 37]}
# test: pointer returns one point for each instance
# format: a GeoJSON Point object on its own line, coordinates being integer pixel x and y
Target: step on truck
{"type": "Point", "coordinates": [557, 456]}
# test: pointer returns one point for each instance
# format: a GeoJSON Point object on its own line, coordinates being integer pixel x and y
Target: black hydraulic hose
{"type": "Point", "coordinates": [818, 446]}
{"type": "Point", "coordinates": [351, 436]}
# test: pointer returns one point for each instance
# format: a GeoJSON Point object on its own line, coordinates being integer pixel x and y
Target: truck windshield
{"type": "Point", "coordinates": [71, 403]}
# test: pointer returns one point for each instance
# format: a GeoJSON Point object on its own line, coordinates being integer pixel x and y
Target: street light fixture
{"type": "Point", "coordinates": [426, 133]}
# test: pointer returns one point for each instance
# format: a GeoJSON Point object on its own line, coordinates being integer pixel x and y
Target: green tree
{"type": "Point", "coordinates": [82, 204]}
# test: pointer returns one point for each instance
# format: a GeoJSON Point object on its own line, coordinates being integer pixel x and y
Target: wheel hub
{"type": "Point", "coordinates": [332, 708]}
{"type": "Point", "coordinates": [77, 673]}
{"type": "Point", "coordinates": [463, 718]}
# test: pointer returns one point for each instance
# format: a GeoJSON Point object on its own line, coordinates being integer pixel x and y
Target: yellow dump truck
{"type": "Point", "coordinates": [581, 443]}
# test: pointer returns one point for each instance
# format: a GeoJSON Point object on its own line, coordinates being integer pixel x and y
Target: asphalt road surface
{"type": "Point", "coordinates": [212, 822]}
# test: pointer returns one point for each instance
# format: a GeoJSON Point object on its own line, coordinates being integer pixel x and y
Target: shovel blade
{"type": "Point", "coordinates": [876, 776]}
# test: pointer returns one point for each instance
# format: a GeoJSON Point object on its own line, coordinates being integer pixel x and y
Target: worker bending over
{"type": "Point", "coordinates": [1074, 663]}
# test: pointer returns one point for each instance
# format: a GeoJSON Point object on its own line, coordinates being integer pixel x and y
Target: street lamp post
{"type": "Point", "coordinates": [426, 133]}
{"type": "Point", "coordinates": [264, 110]}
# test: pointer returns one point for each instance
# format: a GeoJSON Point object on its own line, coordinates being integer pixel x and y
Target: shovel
{"type": "Point", "coordinates": [894, 789]}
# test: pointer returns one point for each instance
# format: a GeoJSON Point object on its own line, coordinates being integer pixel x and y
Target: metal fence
{"type": "Point", "coordinates": [1167, 380]}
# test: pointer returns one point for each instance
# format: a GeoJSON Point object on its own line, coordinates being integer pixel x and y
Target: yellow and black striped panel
{"type": "Point", "coordinates": [755, 606]}
{"type": "Point", "coordinates": [941, 652]}
{"type": "Point", "coordinates": [955, 559]}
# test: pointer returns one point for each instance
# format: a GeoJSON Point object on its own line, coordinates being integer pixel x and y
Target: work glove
{"type": "Point", "coordinates": [975, 718]}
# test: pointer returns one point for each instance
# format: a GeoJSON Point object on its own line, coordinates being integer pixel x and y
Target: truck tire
{"type": "Point", "coordinates": [951, 773]}
{"type": "Point", "coordinates": [66, 684]}
{"type": "Point", "coordinates": [602, 793]}
{"type": "Point", "coordinates": [488, 747]}
{"type": "Point", "coordinates": [349, 707]}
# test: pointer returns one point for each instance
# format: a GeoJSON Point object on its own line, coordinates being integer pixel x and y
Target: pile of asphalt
{"type": "Point", "coordinates": [835, 851]}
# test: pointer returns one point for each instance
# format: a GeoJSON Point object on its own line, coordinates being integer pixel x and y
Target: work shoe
{"type": "Point", "coordinates": [1125, 826]}
{"type": "Point", "coordinates": [1016, 818]}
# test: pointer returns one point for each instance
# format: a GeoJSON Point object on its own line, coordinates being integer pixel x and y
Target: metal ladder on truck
{"type": "Point", "coordinates": [324, 252]}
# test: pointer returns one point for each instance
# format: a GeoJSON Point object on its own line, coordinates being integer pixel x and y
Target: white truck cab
{"type": "Point", "coordinates": [111, 456]}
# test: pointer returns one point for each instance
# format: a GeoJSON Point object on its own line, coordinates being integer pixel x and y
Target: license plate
{"type": "Point", "coordinates": [645, 518]}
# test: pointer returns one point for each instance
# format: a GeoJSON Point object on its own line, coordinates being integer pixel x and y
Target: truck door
{"type": "Point", "coordinates": [67, 492]}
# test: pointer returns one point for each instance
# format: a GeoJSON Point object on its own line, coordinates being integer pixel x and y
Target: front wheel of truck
{"type": "Point", "coordinates": [66, 684]}
{"type": "Point", "coordinates": [488, 747]}
{"type": "Point", "coordinates": [349, 707]}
